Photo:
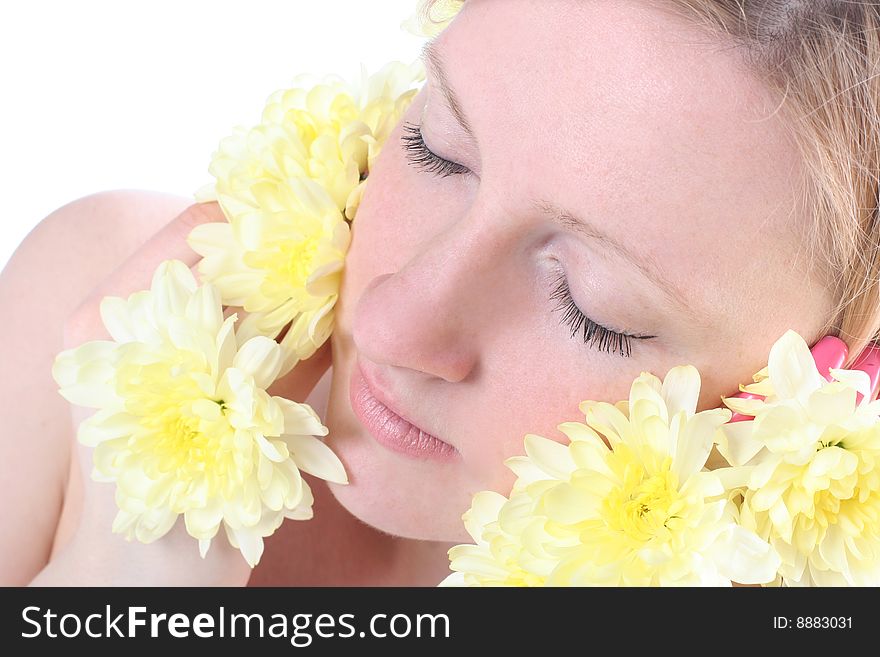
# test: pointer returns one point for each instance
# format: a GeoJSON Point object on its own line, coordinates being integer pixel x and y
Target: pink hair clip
{"type": "Point", "coordinates": [830, 352]}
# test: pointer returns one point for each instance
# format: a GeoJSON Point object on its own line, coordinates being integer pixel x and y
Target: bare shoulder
{"type": "Point", "coordinates": [51, 272]}
{"type": "Point", "coordinates": [110, 225]}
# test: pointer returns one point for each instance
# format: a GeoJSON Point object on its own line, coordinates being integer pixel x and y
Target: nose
{"type": "Point", "coordinates": [439, 310]}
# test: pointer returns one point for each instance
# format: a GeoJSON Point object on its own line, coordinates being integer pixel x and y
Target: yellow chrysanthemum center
{"type": "Point", "coordinates": [289, 265]}
{"type": "Point", "coordinates": [179, 442]}
{"type": "Point", "coordinates": [644, 505]}
{"type": "Point", "coordinates": [184, 430]}
{"type": "Point", "coordinates": [299, 259]}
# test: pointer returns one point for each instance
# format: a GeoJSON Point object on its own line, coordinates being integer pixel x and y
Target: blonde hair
{"type": "Point", "coordinates": [822, 57]}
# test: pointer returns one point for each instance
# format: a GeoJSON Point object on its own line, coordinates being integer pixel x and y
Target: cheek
{"type": "Point", "coordinates": [402, 209]}
{"type": "Point", "coordinates": [531, 394]}
{"type": "Point", "coordinates": [378, 239]}
{"type": "Point", "coordinates": [381, 225]}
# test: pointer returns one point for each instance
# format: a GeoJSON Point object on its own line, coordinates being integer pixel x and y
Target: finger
{"type": "Point", "coordinates": [136, 273]}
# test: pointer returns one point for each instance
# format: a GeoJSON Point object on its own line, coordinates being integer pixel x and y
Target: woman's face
{"type": "Point", "coordinates": [611, 113]}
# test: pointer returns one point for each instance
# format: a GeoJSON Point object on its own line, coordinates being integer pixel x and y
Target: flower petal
{"type": "Point", "coordinates": [792, 368]}
{"type": "Point", "coordinates": [744, 558]}
{"type": "Point", "coordinates": [314, 457]}
{"type": "Point", "coordinates": [681, 389]}
{"type": "Point", "coordinates": [300, 418]}
{"type": "Point", "coordinates": [552, 457]}
{"type": "Point", "coordinates": [736, 442]}
{"type": "Point", "coordinates": [250, 543]}
{"type": "Point", "coordinates": [261, 358]}
{"type": "Point", "coordinates": [697, 440]}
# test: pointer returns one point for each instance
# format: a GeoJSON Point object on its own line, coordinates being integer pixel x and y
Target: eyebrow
{"type": "Point", "coordinates": [647, 266]}
{"type": "Point", "coordinates": [433, 61]}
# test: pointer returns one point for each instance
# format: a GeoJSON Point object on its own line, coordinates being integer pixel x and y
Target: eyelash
{"type": "Point", "coordinates": [596, 335]}
{"type": "Point", "coordinates": [418, 153]}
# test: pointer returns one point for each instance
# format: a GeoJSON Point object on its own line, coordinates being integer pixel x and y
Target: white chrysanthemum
{"type": "Point", "coordinates": [642, 513]}
{"type": "Point", "coordinates": [431, 17]}
{"type": "Point", "coordinates": [813, 452]}
{"type": "Point", "coordinates": [184, 424]}
{"type": "Point", "coordinates": [287, 187]}
{"type": "Point", "coordinates": [494, 559]}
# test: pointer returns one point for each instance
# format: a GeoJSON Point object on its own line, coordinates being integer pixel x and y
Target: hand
{"type": "Point", "coordinates": [96, 556]}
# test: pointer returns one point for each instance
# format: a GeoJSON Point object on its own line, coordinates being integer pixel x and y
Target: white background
{"type": "Point", "coordinates": [109, 94]}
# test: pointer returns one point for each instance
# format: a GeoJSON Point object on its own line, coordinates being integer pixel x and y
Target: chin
{"type": "Point", "coordinates": [394, 495]}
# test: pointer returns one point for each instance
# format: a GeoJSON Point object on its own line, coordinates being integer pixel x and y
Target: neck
{"type": "Point", "coordinates": [337, 549]}
{"type": "Point", "coordinates": [419, 563]}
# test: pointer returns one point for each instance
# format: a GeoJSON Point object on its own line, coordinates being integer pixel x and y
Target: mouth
{"type": "Point", "coordinates": [391, 430]}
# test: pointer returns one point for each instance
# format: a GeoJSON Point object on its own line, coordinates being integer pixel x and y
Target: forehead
{"type": "Point", "coordinates": [630, 115]}
{"type": "Point", "coordinates": [583, 72]}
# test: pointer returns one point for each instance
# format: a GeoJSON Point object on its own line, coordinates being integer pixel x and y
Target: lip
{"type": "Point", "coordinates": [390, 429]}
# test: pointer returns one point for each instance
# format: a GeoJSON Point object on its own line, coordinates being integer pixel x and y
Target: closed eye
{"type": "Point", "coordinates": [594, 334]}
{"type": "Point", "coordinates": [418, 153]}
